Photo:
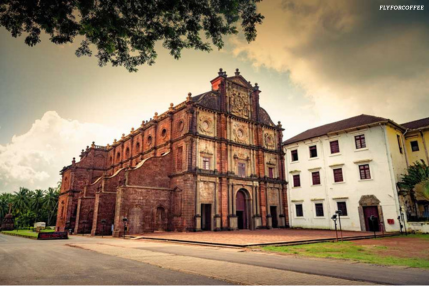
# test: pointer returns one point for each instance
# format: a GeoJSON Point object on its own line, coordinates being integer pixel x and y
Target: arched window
{"type": "Point", "coordinates": [149, 140]}
{"type": "Point", "coordinates": [118, 156]}
{"type": "Point", "coordinates": [163, 132]}
{"type": "Point", "coordinates": [138, 146]}
{"type": "Point", "coordinates": [127, 152]}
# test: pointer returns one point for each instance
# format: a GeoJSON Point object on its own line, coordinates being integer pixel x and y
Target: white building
{"type": "Point", "coordinates": [351, 165]}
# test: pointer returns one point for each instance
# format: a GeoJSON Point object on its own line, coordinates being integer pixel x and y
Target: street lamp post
{"type": "Point", "coordinates": [339, 213]}
{"type": "Point", "coordinates": [103, 224]}
{"type": "Point", "coordinates": [334, 218]}
{"type": "Point", "coordinates": [125, 225]}
{"type": "Point", "coordinates": [402, 215]}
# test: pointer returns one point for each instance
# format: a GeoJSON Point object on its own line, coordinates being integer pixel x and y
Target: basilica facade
{"type": "Point", "coordinates": [212, 162]}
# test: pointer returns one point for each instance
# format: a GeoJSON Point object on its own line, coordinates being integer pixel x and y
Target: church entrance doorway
{"type": "Point", "coordinates": [274, 215]}
{"type": "Point", "coordinates": [242, 210]}
{"type": "Point", "coordinates": [206, 217]}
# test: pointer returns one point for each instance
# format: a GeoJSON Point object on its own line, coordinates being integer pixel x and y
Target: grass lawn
{"type": "Point", "coordinates": [382, 251]}
{"type": "Point", "coordinates": [25, 233]}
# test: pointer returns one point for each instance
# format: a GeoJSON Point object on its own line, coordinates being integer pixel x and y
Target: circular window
{"type": "Point", "coordinates": [163, 132]}
{"type": "Point", "coordinates": [149, 140]}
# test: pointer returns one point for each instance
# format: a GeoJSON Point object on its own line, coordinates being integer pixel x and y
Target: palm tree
{"type": "Point", "coordinates": [5, 199]}
{"type": "Point", "coordinates": [50, 202]}
{"type": "Point", "coordinates": [37, 202]}
{"type": "Point", "coordinates": [21, 200]}
{"type": "Point", "coordinates": [415, 184]}
{"type": "Point", "coordinates": [418, 173]}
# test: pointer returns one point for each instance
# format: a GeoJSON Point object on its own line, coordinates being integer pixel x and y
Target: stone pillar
{"type": "Point", "coordinates": [96, 214]}
{"type": "Point", "coordinates": [197, 217]}
{"type": "Point", "coordinates": [217, 217]}
{"type": "Point", "coordinates": [257, 216]}
{"type": "Point", "coordinates": [232, 217]}
{"type": "Point", "coordinates": [78, 213]}
{"type": "Point", "coordinates": [281, 220]}
{"type": "Point", "coordinates": [268, 215]}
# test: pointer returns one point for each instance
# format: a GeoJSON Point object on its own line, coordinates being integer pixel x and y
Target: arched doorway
{"type": "Point", "coordinates": [242, 209]}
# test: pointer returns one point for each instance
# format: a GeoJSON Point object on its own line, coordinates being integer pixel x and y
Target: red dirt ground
{"type": "Point", "coordinates": [406, 247]}
{"type": "Point", "coordinates": [242, 237]}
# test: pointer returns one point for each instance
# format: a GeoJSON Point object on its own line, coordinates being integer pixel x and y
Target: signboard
{"type": "Point", "coordinates": [52, 235]}
{"type": "Point", "coordinates": [39, 224]}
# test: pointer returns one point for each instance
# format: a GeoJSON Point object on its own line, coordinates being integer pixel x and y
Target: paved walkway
{"type": "Point", "coordinates": [252, 237]}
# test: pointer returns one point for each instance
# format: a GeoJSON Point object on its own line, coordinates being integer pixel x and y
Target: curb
{"type": "Point", "coordinates": [285, 243]}
{"type": "Point", "coordinates": [19, 235]}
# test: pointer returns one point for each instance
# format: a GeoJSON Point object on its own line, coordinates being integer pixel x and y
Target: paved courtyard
{"type": "Point", "coordinates": [252, 237]}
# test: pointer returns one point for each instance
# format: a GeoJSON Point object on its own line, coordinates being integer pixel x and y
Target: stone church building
{"type": "Point", "coordinates": [212, 162]}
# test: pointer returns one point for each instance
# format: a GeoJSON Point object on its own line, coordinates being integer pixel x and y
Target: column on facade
{"type": "Point", "coordinates": [78, 214]}
{"type": "Point", "coordinates": [96, 213]}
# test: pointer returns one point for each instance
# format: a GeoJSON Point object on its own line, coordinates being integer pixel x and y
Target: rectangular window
{"type": "Point", "coordinates": [241, 169]}
{"type": "Point", "coordinates": [334, 147]}
{"type": "Point", "coordinates": [299, 210]}
{"type": "Point", "coordinates": [206, 163]}
{"type": "Point", "coordinates": [364, 172]}
{"type": "Point", "coordinates": [294, 156]}
{"type": "Point", "coordinates": [313, 151]}
{"type": "Point", "coordinates": [179, 159]}
{"type": "Point", "coordinates": [399, 142]}
{"type": "Point", "coordinates": [360, 142]}
{"type": "Point", "coordinates": [414, 146]}
{"type": "Point", "coordinates": [338, 175]}
{"type": "Point", "coordinates": [316, 178]}
{"type": "Point", "coordinates": [341, 206]}
{"type": "Point", "coordinates": [270, 172]}
{"type": "Point", "coordinates": [319, 209]}
{"type": "Point", "coordinates": [296, 180]}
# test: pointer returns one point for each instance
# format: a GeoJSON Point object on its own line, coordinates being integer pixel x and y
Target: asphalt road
{"type": "Point", "coordinates": [27, 261]}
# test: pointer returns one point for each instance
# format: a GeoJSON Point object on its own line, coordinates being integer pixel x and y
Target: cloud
{"type": "Point", "coordinates": [349, 57]}
{"type": "Point", "coordinates": [34, 159]}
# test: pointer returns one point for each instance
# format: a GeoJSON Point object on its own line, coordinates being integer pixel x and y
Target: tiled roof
{"type": "Point", "coordinates": [417, 123]}
{"type": "Point", "coordinates": [352, 122]}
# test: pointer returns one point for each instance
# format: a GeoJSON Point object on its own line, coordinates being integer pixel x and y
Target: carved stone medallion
{"type": "Point", "coordinates": [269, 140]}
{"type": "Point", "coordinates": [205, 125]}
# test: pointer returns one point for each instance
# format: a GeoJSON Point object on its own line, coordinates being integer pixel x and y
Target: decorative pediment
{"type": "Point", "coordinates": [272, 161]}
{"type": "Point", "coordinates": [368, 200]}
{"type": "Point", "coordinates": [241, 80]}
{"type": "Point", "coordinates": [206, 151]}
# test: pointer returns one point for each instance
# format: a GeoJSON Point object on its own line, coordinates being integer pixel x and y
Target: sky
{"type": "Point", "coordinates": [315, 62]}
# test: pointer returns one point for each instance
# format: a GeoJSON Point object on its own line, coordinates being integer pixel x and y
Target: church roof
{"type": "Point", "coordinates": [352, 122]}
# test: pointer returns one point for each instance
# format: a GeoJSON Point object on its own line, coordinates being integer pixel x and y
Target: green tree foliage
{"type": "Point", "coordinates": [124, 33]}
{"type": "Point", "coordinates": [30, 206]}
{"type": "Point", "coordinates": [418, 173]}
